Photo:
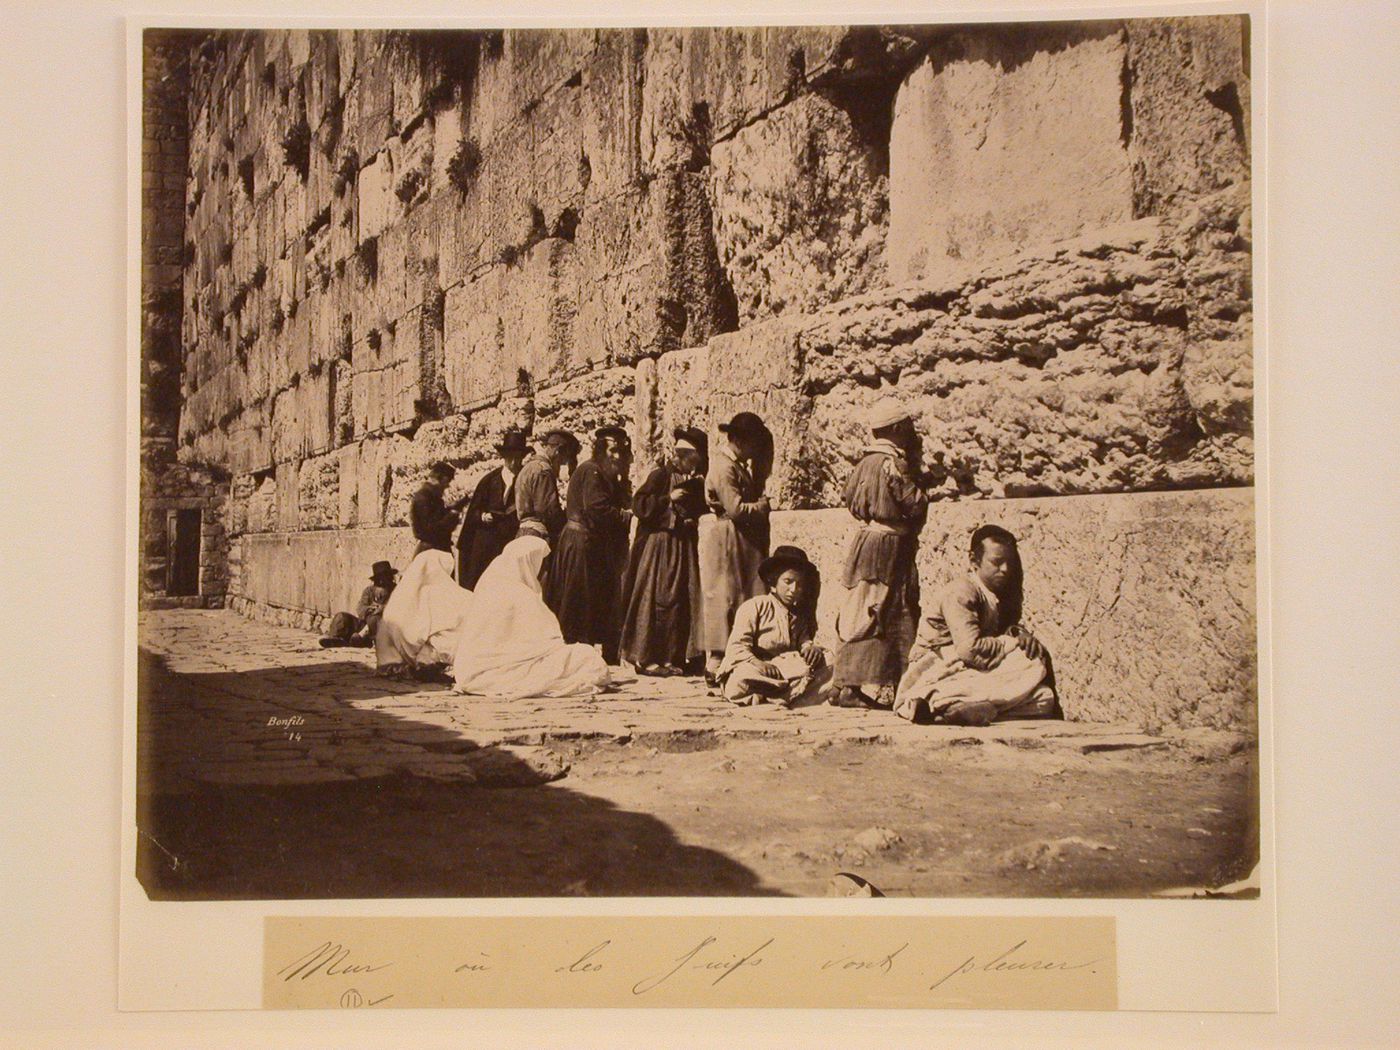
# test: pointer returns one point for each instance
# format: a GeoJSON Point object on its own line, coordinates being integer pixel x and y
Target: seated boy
{"type": "Point", "coordinates": [973, 662]}
{"type": "Point", "coordinates": [358, 628]}
{"type": "Point", "coordinates": [771, 655]}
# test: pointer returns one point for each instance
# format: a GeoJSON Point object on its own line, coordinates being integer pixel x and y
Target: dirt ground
{"type": "Point", "coordinates": [712, 816]}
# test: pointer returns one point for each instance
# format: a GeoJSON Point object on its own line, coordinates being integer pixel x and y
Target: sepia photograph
{"type": "Point", "coordinates": [734, 461]}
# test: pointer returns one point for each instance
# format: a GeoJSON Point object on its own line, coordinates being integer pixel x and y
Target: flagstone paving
{"type": "Point", "coordinates": [229, 700]}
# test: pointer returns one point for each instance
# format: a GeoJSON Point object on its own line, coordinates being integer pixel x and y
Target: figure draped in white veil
{"type": "Point", "coordinates": [423, 618]}
{"type": "Point", "coordinates": [515, 648]}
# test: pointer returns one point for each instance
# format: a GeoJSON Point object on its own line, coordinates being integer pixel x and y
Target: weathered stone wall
{"type": "Point", "coordinates": [165, 485]}
{"type": "Point", "coordinates": [402, 244]}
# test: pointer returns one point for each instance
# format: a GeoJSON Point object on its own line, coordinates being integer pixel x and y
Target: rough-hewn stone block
{"type": "Point", "coordinates": [1189, 97]}
{"type": "Point", "coordinates": [583, 404]}
{"type": "Point", "coordinates": [800, 209]}
{"type": "Point", "coordinates": [1003, 140]}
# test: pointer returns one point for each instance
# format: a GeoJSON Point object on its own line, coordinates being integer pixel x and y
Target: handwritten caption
{"type": "Point", "coordinates": [787, 961]}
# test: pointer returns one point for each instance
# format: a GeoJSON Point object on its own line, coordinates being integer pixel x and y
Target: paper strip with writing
{"type": "Point", "coordinates": [1025, 963]}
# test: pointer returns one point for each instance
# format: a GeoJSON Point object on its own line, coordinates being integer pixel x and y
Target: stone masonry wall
{"type": "Point", "coordinates": [164, 484]}
{"type": "Point", "coordinates": [1039, 236]}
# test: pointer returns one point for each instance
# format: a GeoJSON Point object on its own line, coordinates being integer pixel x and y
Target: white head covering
{"type": "Point", "coordinates": [514, 647]}
{"type": "Point", "coordinates": [424, 614]}
{"type": "Point", "coordinates": [886, 413]}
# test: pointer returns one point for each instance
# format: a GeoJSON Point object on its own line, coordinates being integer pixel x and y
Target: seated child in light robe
{"type": "Point", "coordinates": [973, 662]}
{"type": "Point", "coordinates": [771, 656]}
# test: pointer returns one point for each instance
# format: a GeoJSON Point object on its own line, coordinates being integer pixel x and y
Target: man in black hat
{"type": "Point", "coordinates": [433, 521]}
{"type": "Point", "coordinates": [583, 585]}
{"type": "Point", "coordinates": [358, 628]}
{"type": "Point", "coordinates": [537, 506]}
{"type": "Point", "coordinates": [661, 619]}
{"type": "Point", "coordinates": [490, 521]}
{"type": "Point", "coordinates": [730, 551]}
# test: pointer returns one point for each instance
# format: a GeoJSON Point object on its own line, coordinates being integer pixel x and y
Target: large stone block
{"type": "Point", "coordinates": [318, 493]}
{"type": "Point", "coordinates": [800, 209]}
{"type": "Point", "coordinates": [1002, 140]}
{"type": "Point", "coordinates": [516, 316]}
{"type": "Point", "coordinates": [587, 402]}
{"type": "Point", "coordinates": [737, 72]}
{"type": "Point", "coordinates": [1145, 601]}
{"type": "Point", "coordinates": [1189, 97]}
{"type": "Point", "coordinates": [319, 572]}
{"type": "Point", "coordinates": [609, 160]}
{"type": "Point", "coordinates": [376, 205]}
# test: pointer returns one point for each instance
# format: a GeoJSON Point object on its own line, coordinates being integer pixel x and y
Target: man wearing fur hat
{"type": "Point", "coordinates": [876, 620]}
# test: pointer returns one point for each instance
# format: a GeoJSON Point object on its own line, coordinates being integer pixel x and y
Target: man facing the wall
{"type": "Point", "coordinates": [537, 503]}
{"type": "Point", "coordinates": [876, 621]}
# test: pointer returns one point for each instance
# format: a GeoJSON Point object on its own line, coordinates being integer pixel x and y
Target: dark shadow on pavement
{"type": "Point", "coordinates": [390, 835]}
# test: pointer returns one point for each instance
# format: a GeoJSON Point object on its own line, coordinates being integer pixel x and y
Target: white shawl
{"type": "Point", "coordinates": [424, 615]}
{"type": "Point", "coordinates": [515, 648]}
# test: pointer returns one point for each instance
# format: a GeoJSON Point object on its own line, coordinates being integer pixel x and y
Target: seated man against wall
{"type": "Point", "coordinates": [358, 628]}
{"type": "Point", "coordinates": [973, 662]}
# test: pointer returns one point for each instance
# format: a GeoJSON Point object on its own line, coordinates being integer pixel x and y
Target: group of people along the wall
{"type": "Point", "coordinates": [517, 591]}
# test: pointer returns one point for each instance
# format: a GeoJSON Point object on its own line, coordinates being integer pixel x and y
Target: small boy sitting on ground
{"type": "Point", "coordinates": [357, 628]}
{"type": "Point", "coordinates": [973, 662]}
{"type": "Point", "coordinates": [771, 656]}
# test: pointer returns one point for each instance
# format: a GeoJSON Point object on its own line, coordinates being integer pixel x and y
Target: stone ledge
{"type": "Point", "coordinates": [1145, 601]}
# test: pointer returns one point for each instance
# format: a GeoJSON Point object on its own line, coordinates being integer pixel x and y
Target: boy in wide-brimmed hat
{"type": "Point", "coordinates": [736, 540]}
{"type": "Point", "coordinates": [358, 628]}
{"type": "Point", "coordinates": [772, 655]}
{"type": "Point", "coordinates": [490, 521]}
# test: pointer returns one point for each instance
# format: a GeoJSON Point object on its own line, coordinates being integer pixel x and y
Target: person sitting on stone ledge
{"type": "Point", "coordinates": [423, 619]}
{"type": "Point", "coordinates": [772, 656]}
{"type": "Point", "coordinates": [358, 628]}
{"type": "Point", "coordinates": [974, 662]}
{"type": "Point", "coordinates": [514, 648]}
{"type": "Point", "coordinates": [537, 505]}
{"type": "Point", "coordinates": [433, 521]}
{"type": "Point", "coordinates": [661, 592]}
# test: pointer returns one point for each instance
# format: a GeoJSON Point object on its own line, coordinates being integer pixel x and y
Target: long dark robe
{"type": "Point", "coordinates": [481, 541]}
{"type": "Point", "coordinates": [661, 621]}
{"type": "Point", "coordinates": [583, 585]}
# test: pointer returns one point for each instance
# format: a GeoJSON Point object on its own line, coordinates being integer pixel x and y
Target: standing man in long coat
{"type": "Point", "coordinates": [877, 618]}
{"type": "Point", "coordinates": [537, 506]}
{"type": "Point", "coordinates": [662, 619]}
{"type": "Point", "coordinates": [735, 542]}
{"type": "Point", "coordinates": [583, 585]}
{"type": "Point", "coordinates": [490, 521]}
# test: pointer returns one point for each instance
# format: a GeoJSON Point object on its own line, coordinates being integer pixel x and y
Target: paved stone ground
{"type": "Point", "coordinates": [273, 769]}
{"type": "Point", "coordinates": [230, 701]}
